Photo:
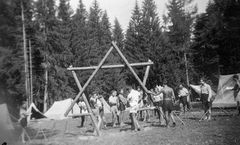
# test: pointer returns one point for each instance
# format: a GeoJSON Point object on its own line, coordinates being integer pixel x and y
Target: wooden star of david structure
{"type": "Point", "coordinates": [96, 69]}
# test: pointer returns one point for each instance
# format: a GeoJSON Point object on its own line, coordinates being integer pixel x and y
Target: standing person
{"type": "Point", "coordinates": [121, 106]}
{"type": "Point", "coordinates": [97, 108]}
{"type": "Point", "coordinates": [113, 102]}
{"type": "Point", "coordinates": [133, 98]}
{"type": "Point", "coordinates": [168, 100]}
{"type": "Point", "coordinates": [236, 92]}
{"type": "Point", "coordinates": [183, 94]}
{"type": "Point", "coordinates": [23, 120]}
{"type": "Point", "coordinates": [206, 95]}
{"type": "Point", "coordinates": [83, 109]}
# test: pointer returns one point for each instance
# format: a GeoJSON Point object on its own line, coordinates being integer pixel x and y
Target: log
{"type": "Point", "coordinates": [111, 66]}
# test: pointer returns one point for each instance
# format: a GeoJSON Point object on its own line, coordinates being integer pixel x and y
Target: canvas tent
{"type": "Point", "coordinates": [224, 96]}
{"type": "Point", "coordinates": [197, 89]}
{"type": "Point", "coordinates": [5, 120]}
{"type": "Point", "coordinates": [58, 109]}
{"type": "Point", "coordinates": [34, 112]}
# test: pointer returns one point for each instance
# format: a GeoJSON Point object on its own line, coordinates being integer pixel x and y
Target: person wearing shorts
{"type": "Point", "coordinates": [97, 108]}
{"type": "Point", "coordinates": [168, 99]}
{"type": "Point", "coordinates": [206, 95]}
{"type": "Point", "coordinates": [83, 109]}
{"type": "Point", "coordinates": [113, 102]}
{"type": "Point", "coordinates": [121, 106]}
{"type": "Point", "coordinates": [133, 98]}
{"type": "Point", "coordinates": [183, 94]}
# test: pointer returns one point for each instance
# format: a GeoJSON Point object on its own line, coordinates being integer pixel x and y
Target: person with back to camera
{"type": "Point", "coordinates": [133, 98]}
{"type": "Point", "coordinates": [168, 100]}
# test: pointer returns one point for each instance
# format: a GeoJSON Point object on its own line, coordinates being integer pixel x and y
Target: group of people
{"type": "Point", "coordinates": [161, 97]}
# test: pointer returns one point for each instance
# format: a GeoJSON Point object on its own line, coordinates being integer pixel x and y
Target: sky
{"type": "Point", "coordinates": [122, 9]}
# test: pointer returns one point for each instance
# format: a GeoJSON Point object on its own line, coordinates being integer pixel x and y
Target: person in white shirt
{"type": "Point", "coordinates": [133, 98]}
{"type": "Point", "coordinates": [113, 102]}
{"type": "Point", "coordinates": [206, 97]}
{"type": "Point", "coordinates": [183, 94]}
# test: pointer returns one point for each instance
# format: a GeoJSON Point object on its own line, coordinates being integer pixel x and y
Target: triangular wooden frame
{"type": "Point", "coordinates": [82, 89]}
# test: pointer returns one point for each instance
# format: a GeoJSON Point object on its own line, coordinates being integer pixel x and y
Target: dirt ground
{"type": "Point", "coordinates": [223, 129]}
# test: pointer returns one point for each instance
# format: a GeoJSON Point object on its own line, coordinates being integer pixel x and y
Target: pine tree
{"type": "Point", "coordinates": [216, 45]}
{"type": "Point", "coordinates": [118, 35]}
{"type": "Point", "coordinates": [150, 34]}
{"type": "Point", "coordinates": [132, 36]}
{"type": "Point", "coordinates": [180, 25]}
{"type": "Point", "coordinates": [132, 49]}
{"type": "Point", "coordinates": [12, 63]}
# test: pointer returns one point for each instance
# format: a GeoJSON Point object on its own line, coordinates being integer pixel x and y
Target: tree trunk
{"type": "Point", "coordinates": [30, 63]}
{"type": "Point", "coordinates": [25, 56]}
{"type": "Point", "coordinates": [45, 91]}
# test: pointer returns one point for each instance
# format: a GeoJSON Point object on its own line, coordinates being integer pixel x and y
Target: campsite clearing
{"type": "Point", "coordinates": [223, 129]}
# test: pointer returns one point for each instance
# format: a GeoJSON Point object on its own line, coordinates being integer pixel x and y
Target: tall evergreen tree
{"type": "Point", "coordinates": [180, 23]}
{"type": "Point", "coordinates": [150, 34]}
{"type": "Point", "coordinates": [216, 45]}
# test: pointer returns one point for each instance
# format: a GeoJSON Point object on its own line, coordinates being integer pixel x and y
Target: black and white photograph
{"type": "Point", "coordinates": [119, 72]}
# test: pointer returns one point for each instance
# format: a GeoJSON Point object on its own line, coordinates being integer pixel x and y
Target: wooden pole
{"type": "Point", "coordinates": [186, 66]}
{"type": "Point", "coordinates": [131, 69]}
{"type": "Point", "coordinates": [111, 66]}
{"type": "Point", "coordinates": [25, 54]}
{"type": "Point", "coordinates": [86, 102]}
{"type": "Point", "coordinates": [88, 82]}
{"type": "Point", "coordinates": [146, 74]}
{"type": "Point", "coordinates": [31, 83]}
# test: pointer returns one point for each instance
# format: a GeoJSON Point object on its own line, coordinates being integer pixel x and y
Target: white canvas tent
{"type": "Point", "coordinates": [224, 96]}
{"type": "Point", "coordinates": [5, 120]}
{"type": "Point", "coordinates": [197, 89]}
{"type": "Point", "coordinates": [58, 109]}
{"type": "Point", "coordinates": [34, 112]}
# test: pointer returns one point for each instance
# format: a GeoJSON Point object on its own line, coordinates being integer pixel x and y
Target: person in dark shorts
{"type": "Point", "coordinates": [183, 94]}
{"type": "Point", "coordinates": [23, 120]}
{"type": "Point", "coordinates": [121, 107]}
{"type": "Point", "coordinates": [168, 99]}
{"type": "Point", "coordinates": [206, 95]}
